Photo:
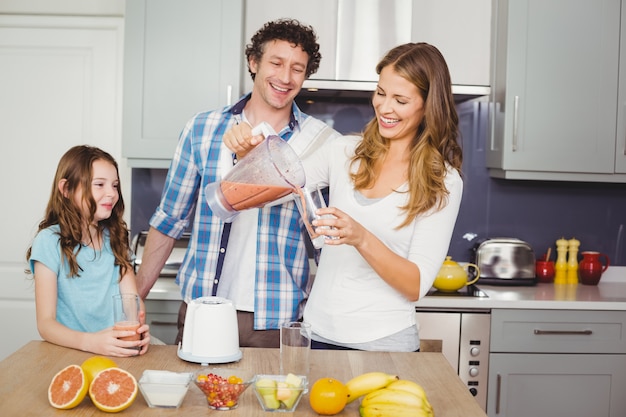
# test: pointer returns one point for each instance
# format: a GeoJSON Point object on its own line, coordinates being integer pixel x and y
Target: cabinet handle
{"type": "Point", "coordinates": [229, 95]}
{"type": "Point", "coordinates": [163, 323]}
{"type": "Point", "coordinates": [515, 122]}
{"type": "Point", "coordinates": [576, 332]}
{"type": "Point", "coordinates": [498, 384]}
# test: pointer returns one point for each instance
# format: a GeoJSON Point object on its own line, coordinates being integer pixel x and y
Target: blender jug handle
{"type": "Point", "coordinates": [263, 128]}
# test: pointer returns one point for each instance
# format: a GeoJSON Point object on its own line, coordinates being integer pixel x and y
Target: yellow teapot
{"type": "Point", "coordinates": [452, 276]}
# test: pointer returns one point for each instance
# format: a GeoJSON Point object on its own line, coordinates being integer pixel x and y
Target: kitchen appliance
{"type": "Point", "coordinates": [354, 35]}
{"type": "Point", "coordinates": [268, 172]}
{"type": "Point", "coordinates": [174, 261]}
{"type": "Point", "coordinates": [505, 261]}
{"type": "Point", "coordinates": [464, 336]}
{"type": "Point", "coordinates": [211, 333]}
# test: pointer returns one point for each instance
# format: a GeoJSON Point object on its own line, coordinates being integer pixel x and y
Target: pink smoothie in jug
{"type": "Point", "coordinates": [243, 196]}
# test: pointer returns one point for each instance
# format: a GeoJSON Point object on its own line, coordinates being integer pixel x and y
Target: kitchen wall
{"type": "Point", "coordinates": [539, 212]}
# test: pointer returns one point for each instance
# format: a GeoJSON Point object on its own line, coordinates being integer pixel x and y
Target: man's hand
{"type": "Point", "coordinates": [240, 140]}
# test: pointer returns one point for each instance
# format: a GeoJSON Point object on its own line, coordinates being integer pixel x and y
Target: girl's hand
{"type": "Point", "coordinates": [144, 331]}
{"type": "Point", "coordinates": [343, 228]}
{"type": "Point", "coordinates": [106, 342]}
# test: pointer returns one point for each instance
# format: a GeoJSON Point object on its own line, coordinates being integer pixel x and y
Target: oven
{"type": "Point", "coordinates": [464, 339]}
{"type": "Point", "coordinates": [163, 301]}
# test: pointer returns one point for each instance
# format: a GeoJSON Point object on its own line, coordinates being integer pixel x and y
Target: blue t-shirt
{"type": "Point", "coordinates": [84, 302]}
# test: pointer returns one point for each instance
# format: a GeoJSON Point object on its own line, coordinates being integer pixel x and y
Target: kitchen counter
{"type": "Point", "coordinates": [26, 374]}
{"type": "Point", "coordinates": [609, 294]}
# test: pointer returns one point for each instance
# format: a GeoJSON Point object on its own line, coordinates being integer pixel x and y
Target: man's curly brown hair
{"type": "Point", "coordinates": [289, 30]}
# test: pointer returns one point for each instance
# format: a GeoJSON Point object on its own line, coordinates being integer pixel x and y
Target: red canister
{"type": "Point", "coordinates": [590, 269]}
{"type": "Point", "coordinates": [544, 270]}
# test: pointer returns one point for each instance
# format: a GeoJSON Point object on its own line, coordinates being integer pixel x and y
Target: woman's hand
{"type": "Point", "coordinates": [239, 139]}
{"type": "Point", "coordinates": [343, 228]}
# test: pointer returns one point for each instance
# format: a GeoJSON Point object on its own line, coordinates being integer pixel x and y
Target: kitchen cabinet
{"type": "Point", "coordinates": [60, 87]}
{"type": "Point", "coordinates": [557, 363]}
{"type": "Point", "coordinates": [180, 58]}
{"type": "Point", "coordinates": [354, 35]}
{"type": "Point", "coordinates": [557, 92]}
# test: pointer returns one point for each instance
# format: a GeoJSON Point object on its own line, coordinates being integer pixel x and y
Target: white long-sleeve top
{"type": "Point", "coordinates": [349, 302]}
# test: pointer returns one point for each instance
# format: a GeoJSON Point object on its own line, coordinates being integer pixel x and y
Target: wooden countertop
{"type": "Point", "coordinates": [26, 374]}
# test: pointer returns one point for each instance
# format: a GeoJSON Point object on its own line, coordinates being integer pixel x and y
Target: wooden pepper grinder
{"type": "Point", "coordinates": [560, 267]}
{"type": "Point", "coordinates": [572, 262]}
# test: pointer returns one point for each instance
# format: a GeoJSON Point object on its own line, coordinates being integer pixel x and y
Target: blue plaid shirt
{"type": "Point", "coordinates": [282, 268]}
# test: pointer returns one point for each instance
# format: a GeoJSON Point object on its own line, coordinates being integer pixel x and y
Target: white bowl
{"type": "Point", "coordinates": [164, 389]}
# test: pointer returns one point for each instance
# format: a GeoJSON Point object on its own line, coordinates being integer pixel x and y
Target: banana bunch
{"type": "Point", "coordinates": [397, 399]}
{"type": "Point", "coordinates": [368, 382]}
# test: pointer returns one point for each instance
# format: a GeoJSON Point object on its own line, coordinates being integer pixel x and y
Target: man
{"type": "Point", "coordinates": [261, 254]}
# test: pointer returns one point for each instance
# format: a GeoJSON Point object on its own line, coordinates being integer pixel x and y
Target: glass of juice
{"type": "Point", "coordinates": [126, 309]}
{"type": "Point", "coordinates": [308, 200]}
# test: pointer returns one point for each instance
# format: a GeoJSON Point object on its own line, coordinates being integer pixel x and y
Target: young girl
{"type": "Point", "coordinates": [80, 258]}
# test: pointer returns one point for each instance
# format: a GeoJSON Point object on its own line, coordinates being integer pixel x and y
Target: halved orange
{"type": "Point", "coordinates": [91, 366]}
{"type": "Point", "coordinates": [68, 387]}
{"type": "Point", "coordinates": [113, 390]}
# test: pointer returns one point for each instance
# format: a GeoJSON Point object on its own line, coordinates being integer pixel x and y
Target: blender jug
{"type": "Point", "coordinates": [268, 172]}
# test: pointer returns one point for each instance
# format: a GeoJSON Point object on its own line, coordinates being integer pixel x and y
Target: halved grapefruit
{"type": "Point", "coordinates": [91, 366]}
{"type": "Point", "coordinates": [68, 387]}
{"type": "Point", "coordinates": [113, 390]}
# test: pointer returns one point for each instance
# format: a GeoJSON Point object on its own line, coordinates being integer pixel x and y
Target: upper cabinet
{"type": "Point", "coordinates": [558, 94]}
{"type": "Point", "coordinates": [180, 58]}
{"type": "Point", "coordinates": [355, 34]}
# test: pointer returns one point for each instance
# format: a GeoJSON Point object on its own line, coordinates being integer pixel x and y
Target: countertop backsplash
{"type": "Point", "coordinates": [538, 212]}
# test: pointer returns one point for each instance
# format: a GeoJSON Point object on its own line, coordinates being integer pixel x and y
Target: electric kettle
{"type": "Point", "coordinates": [211, 333]}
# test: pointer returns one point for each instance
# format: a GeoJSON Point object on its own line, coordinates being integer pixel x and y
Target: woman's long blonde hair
{"type": "Point", "coordinates": [76, 167]}
{"type": "Point", "coordinates": [435, 143]}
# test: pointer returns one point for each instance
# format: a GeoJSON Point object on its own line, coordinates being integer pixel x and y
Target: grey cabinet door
{"type": "Point", "coordinates": [555, 86]}
{"type": "Point", "coordinates": [554, 385]}
{"type": "Point", "coordinates": [181, 57]}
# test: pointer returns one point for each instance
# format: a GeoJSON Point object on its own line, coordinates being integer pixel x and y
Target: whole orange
{"type": "Point", "coordinates": [91, 366]}
{"type": "Point", "coordinates": [328, 396]}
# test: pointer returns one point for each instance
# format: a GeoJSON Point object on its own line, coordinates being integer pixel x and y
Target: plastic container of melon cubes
{"type": "Point", "coordinates": [280, 393]}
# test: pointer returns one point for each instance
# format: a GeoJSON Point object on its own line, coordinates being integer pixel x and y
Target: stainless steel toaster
{"type": "Point", "coordinates": [505, 261]}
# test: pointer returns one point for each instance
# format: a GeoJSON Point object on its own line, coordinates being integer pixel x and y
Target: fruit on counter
{"type": "Point", "coordinates": [91, 366]}
{"type": "Point", "coordinates": [409, 386]}
{"type": "Point", "coordinates": [328, 396]}
{"type": "Point", "coordinates": [402, 397]}
{"type": "Point", "coordinates": [391, 410]}
{"type": "Point", "coordinates": [68, 387]}
{"type": "Point", "coordinates": [392, 396]}
{"type": "Point", "coordinates": [113, 390]}
{"type": "Point", "coordinates": [222, 392]}
{"type": "Point", "coordinates": [274, 392]}
{"type": "Point", "coordinates": [267, 388]}
{"type": "Point", "coordinates": [365, 383]}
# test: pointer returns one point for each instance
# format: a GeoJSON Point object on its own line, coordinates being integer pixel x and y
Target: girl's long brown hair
{"type": "Point", "coordinates": [435, 142]}
{"type": "Point", "coordinates": [76, 167]}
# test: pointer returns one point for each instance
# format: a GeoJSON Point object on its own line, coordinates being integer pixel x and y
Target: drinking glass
{"type": "Point", "coordinates": [295, 348]}
{"type": "Point", "coordinates": [308, 200]}
{"type": "Point", "coordinates": [126, 309]}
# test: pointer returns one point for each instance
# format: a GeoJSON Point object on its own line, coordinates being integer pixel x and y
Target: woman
{"type": "Point", "coordinates": [80, 258]}
{"type": "Point", "coordinates": [395, 194]}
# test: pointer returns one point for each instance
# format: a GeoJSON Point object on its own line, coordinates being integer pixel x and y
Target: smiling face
{"type": "Point", "coordinates": [104, 190]}
{"type": "Point", "coordinates": [398, 105]}
{"type": "Point", "coordinates": [280, 73]}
